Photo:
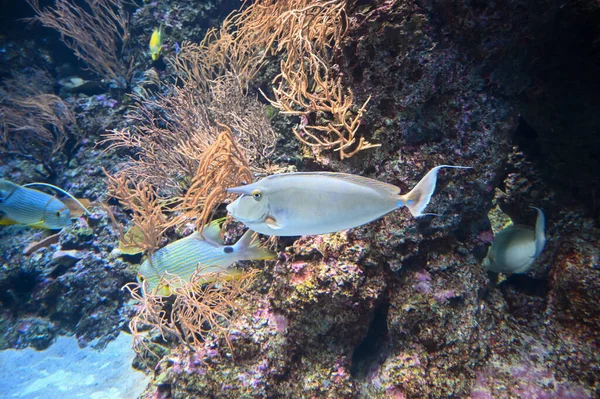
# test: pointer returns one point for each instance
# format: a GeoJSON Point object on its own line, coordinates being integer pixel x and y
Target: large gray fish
{"type": "Point", "coordinates": [311, 203]}
{"type": "Point", "coordinates": [516, 247]}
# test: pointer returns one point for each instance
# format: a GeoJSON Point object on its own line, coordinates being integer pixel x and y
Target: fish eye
{"type": "Point", "coordinates": [58, 214]}
{"type": "Point", "coordinates": [228, 250]}
{"type": "Point", "coordinates": [257, 195]}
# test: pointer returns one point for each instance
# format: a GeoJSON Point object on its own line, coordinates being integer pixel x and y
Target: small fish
{"type": "Point", "coordinates": [516, 247]}
{"type": "Point", "coordinates": [205, 251]}
{"type": "Point", "coordinates": [131, 242]}
{"type": "Point", "coordinates": [156, 42]}
{"type": "Point", "coordinates": [309, 203]}
{"type": "Point", "coordinates": [33, 208]}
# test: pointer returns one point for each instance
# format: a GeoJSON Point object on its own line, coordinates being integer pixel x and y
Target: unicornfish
{"type": "Point", "coordinates": [204, 252]}
{"type": "Point", "coordinates": [309, 203]}
{"type": "Point", "coordinates": [33, 208]}
{"type": "Point", "coordinates": [516, 247]}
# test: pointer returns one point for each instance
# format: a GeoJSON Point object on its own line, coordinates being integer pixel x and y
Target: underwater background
{"type": "Point", "coordinates": [147, 111]}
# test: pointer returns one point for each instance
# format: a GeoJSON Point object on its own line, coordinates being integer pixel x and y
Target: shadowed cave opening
{"type": "Point", "coordinates": [527, 139]}
{"type": "Point", "coordinates": [16, 290]}
{"type": "Point", "coordinates": [372, 350]}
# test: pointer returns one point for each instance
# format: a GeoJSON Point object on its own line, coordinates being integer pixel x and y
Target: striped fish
{"type": "Point", "coordinates": [205, 252]}
{"type": "Point", "coordinates": [33, 208]}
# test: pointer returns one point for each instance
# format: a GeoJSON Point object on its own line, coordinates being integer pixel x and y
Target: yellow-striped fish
{"type": "Point", "coordinates": [156, 42]}
{"type": "Point", "coordinates": [33, 208]}
{"type": "Point", "coordinates": [205, 252]}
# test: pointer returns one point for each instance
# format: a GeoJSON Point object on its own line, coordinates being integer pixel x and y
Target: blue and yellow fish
{"type": "Point", "coordinates": [33, 208]}
{"type": "Point", "coordinates": [204, 252]}
{"type": "Point", "coordinates": [156, 42]}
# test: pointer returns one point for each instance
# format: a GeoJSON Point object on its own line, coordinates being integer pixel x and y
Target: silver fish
{"type": "Point", "coordinates": [516, 247]}
{"type": "Point", "coordinates": [311, 203]}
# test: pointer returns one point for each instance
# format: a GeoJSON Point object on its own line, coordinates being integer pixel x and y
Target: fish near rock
{"type": "Point", "coordinates": [309, 203]}
{"type": "Point", "coordinates": [26, 206]}
{"type": "Point", "coordinates": [203, 251]}
{"type": "Point", "coordinates": [516, 247]}
{"type": "Point", "coordinates": [156, 43]}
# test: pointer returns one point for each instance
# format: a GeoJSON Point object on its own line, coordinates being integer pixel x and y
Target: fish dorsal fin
{"type": "Point", "coordinates": [7, 188]}
{"type": "Point", "coordinates": [212, 232]}
{"type": "Point", "coordinates": [377, 185]}
{"type": "Point", "coordinates": [540, 232]}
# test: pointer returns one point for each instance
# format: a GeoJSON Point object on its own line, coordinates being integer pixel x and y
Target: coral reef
{"type": "Point", "coordinates": [398, 308]}
{"type": "Point", "coordinates": [73, 286]}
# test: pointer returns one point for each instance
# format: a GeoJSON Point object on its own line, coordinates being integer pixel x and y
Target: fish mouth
{"type": "Point", "coordinates": [259, 219]}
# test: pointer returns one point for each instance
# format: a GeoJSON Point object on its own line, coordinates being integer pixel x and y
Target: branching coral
{"type": "Point", "coordinates": [169, 134]}
{"type": "Point", "coordinates": [190, 143]}
{"type": "Point", "coordinates": [147, 210]}
{"type": "Point", "coordinates": [307, 34]}
{"type": "Point", "coordinates": [221, 165]}
{"type": "Point", "coordinates": [98, 34]}
{"type": "Point", "coordinates": [195, 310]}
{"type": "Point", "coordinates": [204, 133]}
{"type": "Point", "coordinates": [33, 122]}
{"type": "Point", "coordinates": [171, 131]}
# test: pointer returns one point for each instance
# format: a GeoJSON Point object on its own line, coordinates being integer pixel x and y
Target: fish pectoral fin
{"type": "Point", "coordinates": [272, 223]}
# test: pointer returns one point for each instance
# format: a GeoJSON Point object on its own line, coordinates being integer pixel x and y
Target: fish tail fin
{"type": "Point", "coordinates": [417, 199]}
{"type": "Point", "coordinates": [540, 232]}
{"type": "Point", "coordinates": [248, 247]}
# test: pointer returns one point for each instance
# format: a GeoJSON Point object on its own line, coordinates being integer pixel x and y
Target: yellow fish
{"type": "Point", "coordinates": [205, 252]}
{"type": "Point", "coordinates": [156, 42]}
{"type": "Point", "coordinates": [33, 208]}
